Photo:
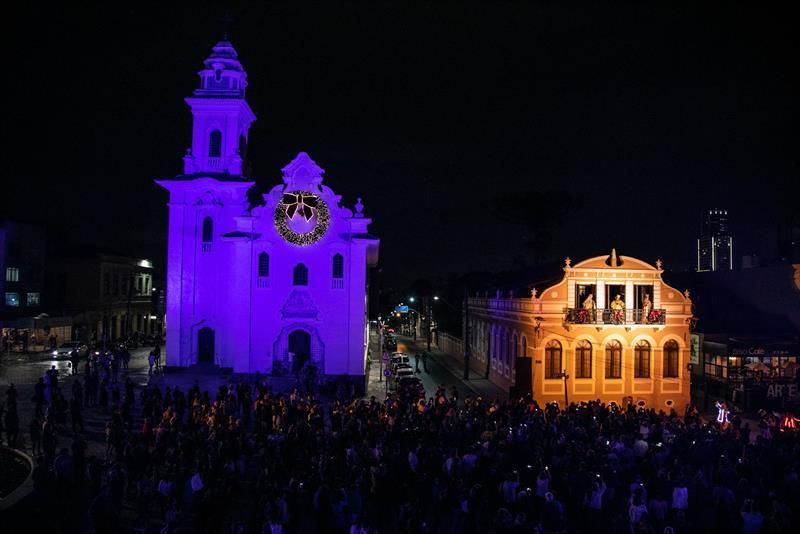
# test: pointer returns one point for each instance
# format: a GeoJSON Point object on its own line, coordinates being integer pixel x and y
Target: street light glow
{"type": "Point", "coordinates": [411, 299]}
{"type": "Point", "coordinates": [435, 298]}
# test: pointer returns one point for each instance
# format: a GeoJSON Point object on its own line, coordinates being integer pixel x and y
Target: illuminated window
{"type": "Point", "coordinates": [12, 274]}
{"type": "Point", "coordinates": [208, 230]}
{"type": "Point", "coordinates": [263, 265]}
{"type": "Point", "coordinates": [613, 359]}
{"type": "Point", "coordinates": [215, 144]}
{"type": "Point", "coordinates": [583, 359]}
{"type": "Point", "coordinates": [641, 360]}
{"type": "Point", "coordinates": [552, 359]}
{"type": "Point", "coordinates": [33, 299]}
{"type": "Point", "coordinates": [300, 275]}
{"type": "Point", "coordinates": [671, 359]}
{"type": "Point", "coordinates": [12, 299]}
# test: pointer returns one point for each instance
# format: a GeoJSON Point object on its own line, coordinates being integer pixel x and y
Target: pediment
{"type": "Point", "coordinates": [299, 305]}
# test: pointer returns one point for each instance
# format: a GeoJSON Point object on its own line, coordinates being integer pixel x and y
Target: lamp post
{"type": "Point", "coordinates": [466, 333]}
{"type": "Point", "coordinates": [563, 374]}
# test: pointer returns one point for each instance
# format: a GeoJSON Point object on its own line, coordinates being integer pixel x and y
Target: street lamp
{"type": "Point", "coordinates": [563, 374]}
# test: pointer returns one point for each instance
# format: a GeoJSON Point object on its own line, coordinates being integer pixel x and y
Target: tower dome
{"type": "Point", "coordinates": [223, 75]}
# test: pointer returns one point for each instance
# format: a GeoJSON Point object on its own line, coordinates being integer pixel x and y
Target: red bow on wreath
{"type": "Point", "coordinates": [300, 203]}
{"type": "Point", "coordinates": [654, 316]}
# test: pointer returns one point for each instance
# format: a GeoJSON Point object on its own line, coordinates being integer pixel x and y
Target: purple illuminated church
{"type": "Point", "coordinates": [266, 289]}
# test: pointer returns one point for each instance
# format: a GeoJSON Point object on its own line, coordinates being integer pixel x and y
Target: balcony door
{"type": "Point", "coordinates": [582, 292]}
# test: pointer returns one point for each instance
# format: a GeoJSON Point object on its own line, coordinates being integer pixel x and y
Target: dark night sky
{"type": "Point", "coordinates": [649, 113]}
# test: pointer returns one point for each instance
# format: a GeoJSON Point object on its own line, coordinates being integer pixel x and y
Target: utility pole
{"type": "Point", "coordinates": [428, 319]}
{"type": "Point", "coordinates": [380, 349]}
{"type": "Point", "coordinates": [465, 329]}
{"type": "Point", "coordinates": [565, 376]}
{"type": "Point", "coordinates": [130, 297]}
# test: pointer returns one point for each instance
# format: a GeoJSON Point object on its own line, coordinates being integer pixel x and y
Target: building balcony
{"type": "Point", "coordinates": [608, 316]}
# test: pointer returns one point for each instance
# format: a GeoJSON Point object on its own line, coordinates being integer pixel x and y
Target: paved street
{"type": "Point", "coordinates": [441, 370]}
{"type": "Point", "coordinates": [25, 369]}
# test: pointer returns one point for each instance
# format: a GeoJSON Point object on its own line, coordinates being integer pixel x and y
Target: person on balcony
{"type": "Point", "coordinates": [588, 309]}
{"type": "Point", "coordinates": [617, 309]}
{"type": "Point", "coordinates": [647, 307]}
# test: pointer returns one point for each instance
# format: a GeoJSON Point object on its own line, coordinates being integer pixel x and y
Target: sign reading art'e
{"type": "Point", "coordinates": [301, 217]}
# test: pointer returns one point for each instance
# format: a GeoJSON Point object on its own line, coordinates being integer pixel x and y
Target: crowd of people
{"type": "Point", "coordinates": [245, 458]}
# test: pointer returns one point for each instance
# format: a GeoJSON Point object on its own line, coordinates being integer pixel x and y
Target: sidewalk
{"type": "Point", "coordinates": [477, 384]}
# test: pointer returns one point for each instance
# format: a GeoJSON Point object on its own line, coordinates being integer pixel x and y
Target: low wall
{"type": "Point", "coordinates": [16, 469]}
{"type": "Point", "coordinates": [454, 347]}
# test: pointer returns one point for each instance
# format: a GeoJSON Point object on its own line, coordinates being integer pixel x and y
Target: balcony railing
{"type": "Point", "coordinates": [614, 317]}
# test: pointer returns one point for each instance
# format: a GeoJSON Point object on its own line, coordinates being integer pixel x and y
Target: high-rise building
{"type": "Point", "coordinates": [715, 244]}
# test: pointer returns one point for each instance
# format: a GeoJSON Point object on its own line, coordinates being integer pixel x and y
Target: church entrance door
{"type": "Point", "coordinates": [205, 345]}
{"type": "Point", "coordinates": [300, 347]}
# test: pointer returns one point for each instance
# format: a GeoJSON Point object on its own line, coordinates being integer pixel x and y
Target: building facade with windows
{"type": "Point", "coordinates": [611, 325]}
{"type": "Point", "coordinates": [22, 268]}
{"type": "Point", "coordinates": [108, 296]}
{"type": "Point", "coordinates": [266, 288]}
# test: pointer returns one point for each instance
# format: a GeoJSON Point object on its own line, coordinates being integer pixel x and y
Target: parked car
{"type": "Point", "coordinates": [401, 373]}
{"type": "Point", "coordinates": [401, 367]}
{"type": "Point", "coordinates": [64, 352]}
{"type": "Point", "coordinates": [398, 358]}
{"type": "Point", "coordinates": [410, 389]}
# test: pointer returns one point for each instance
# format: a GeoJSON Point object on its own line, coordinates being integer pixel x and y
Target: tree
{"type": "Point", "coordinates": [542, 213]}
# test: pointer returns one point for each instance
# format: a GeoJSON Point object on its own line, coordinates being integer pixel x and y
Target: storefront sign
{"type": "Point", "coordinates": [695, 342]}
{"type": "Point", "coordinates": [776, 391]}
{"type": "Point", "coordinates": [760, 351]}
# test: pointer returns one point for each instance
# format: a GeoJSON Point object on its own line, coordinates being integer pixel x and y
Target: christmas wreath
{"type": "Point", "coordinates": [302, 206]}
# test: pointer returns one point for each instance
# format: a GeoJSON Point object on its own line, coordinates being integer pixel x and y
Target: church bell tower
{"type": "Point", "coordinates": [221, 116]}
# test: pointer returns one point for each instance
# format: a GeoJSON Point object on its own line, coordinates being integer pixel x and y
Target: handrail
{"type": "Point", "coordinates": [656, 316]}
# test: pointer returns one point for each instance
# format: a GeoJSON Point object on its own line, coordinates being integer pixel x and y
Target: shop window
{"type": "Point", "coordinates": [552, 359]}
{"type": "Point", "coordinates": [583, 359]}
{"type": "Point", "coordinates": [641, 360]}
{"type": "Point", "coordinates": [671, 359]}
{"type": "Point", "coordinates": [613, 359]}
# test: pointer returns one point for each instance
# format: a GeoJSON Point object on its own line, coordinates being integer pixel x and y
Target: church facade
{"type": "Point", "coordinates": [269, 288]}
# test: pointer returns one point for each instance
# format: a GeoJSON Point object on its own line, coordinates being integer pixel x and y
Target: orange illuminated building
{"type": "Point", "coordinates": [611, 325]}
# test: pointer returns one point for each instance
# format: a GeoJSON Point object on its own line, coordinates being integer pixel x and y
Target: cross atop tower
{"type": "Point", "coordinates": [227, 20]}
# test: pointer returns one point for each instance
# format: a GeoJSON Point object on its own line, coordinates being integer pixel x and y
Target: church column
{"type": "Point", "coordinates": [174, 288]}
{"type": "Point", "coordinates": [356, 284]}
{"type": "Point", "coordinates": [601, 295]}
{"type": "Point", "coordinates": [236, 318]}
{"type": "Point", "coordinates": [630, 300]}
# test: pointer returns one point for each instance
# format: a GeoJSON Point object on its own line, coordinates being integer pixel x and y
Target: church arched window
{"type": "Point", "coordinates": [208, 230]}
{"type": "Point", "coordinates": [338, 266]}
{"type": "Point", "coordinates": [263, 265]}
{"type": "Point", "coordinates": [300, 275]}
{"type": "Point", "coordinates": [215, 144]}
